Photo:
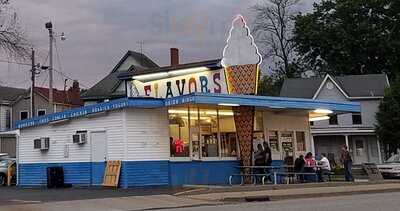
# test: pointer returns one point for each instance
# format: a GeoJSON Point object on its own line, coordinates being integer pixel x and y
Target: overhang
{"type": "Point", "coordinates": [194, 98]}
{"type": "Point", "coordinates": [263, 102]}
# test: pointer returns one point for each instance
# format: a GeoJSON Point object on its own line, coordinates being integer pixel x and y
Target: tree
{"type": "Point", "coordinates": [388, 117]}
{"type": "Point", "coordinates": [269, 86]}
{"type": "Point", "coordinates": [350, 37]}
{"type": "Point", "coordinates": [272, 29]}
{"type": "Point", "coordinates": [12, 38]}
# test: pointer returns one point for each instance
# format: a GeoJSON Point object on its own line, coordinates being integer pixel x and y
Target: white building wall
{"type": "Point", "coordinates": [147, 134]}
{"type": "Point", "coordinates": [293, 121]}
{"type": "Point", "coordinates": [132, 134]}
{"type": "Point", "coordinates": [61, 136]}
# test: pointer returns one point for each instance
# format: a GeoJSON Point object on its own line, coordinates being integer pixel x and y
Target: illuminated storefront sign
{"type": "Point", "coordinates": [210, 81]}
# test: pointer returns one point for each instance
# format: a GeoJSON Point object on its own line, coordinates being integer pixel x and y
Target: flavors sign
{"type": "Point", "coordinates": [211, 81]}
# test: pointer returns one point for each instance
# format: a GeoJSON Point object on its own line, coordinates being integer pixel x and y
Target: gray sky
{"type": "Point", "coordinates": [99, 32]}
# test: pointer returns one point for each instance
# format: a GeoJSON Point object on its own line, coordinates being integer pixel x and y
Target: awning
{"type": "Point", "coordinates": [263, 102]}
{"type": "Point", "coordinates": [194, 98]}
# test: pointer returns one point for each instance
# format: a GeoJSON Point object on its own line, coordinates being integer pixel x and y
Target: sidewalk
{"type": "Point", "coordinates": [240, 194]}
{"type": "Point", "coordinates": [104, 200]}
{"type": "Point", "coordinates": [131, 203]}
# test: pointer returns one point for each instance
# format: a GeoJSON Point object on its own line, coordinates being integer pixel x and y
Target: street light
{"type": "Point", "coordinates": [49, 26]}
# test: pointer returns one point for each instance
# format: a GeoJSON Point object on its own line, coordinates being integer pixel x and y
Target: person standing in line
{"type": "Point", "coordinates": [268, 159]}
{"type": "Point", "coordinates": [259, 160]}
{"type": "Point", "coordinates": [347, 162]}
{"type": "Point", "coordinates": [299, 164]}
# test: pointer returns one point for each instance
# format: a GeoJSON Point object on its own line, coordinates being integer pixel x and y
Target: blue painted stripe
{"type": "Point", "coordinates": [36, 174]}
{"type": "Point", "coordinates": [144, 173]}
{"type": "Point", "coordinates": [202, 172]}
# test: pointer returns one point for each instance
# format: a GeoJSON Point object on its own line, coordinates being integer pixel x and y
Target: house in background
{"type": "Point", "coordinates": [110, 87]}
{"type": "Point", "coordinates": [356, 130]}
{"type": "Point", "coordinates": [62, 100]}
{"type": "Point", "coordinates": [7, 139]}
{"type": "Point", "coordinates": [15, 105]}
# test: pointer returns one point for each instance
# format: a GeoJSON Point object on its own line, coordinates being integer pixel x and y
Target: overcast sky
{"type": "Point", "coordinates": [99, 32]}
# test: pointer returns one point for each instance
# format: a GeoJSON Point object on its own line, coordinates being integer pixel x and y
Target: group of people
{"type": "Point", "coordinates": [308, 164]}
{"type": "Point", "coordinates": [303, 164]}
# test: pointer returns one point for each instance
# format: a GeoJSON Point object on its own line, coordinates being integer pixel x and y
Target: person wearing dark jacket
{"type": "Point", "coordinates": [268, 160]}
{"type": "Point", "coordinates": [259, 160]}
{"type": "Point", "coordinates": [347, 162]}
{"type": "Point", "coordinates": [299, 167]}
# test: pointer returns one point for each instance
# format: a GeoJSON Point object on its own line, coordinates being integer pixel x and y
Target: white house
{"type": "Point", "coordinates": [356, 130]}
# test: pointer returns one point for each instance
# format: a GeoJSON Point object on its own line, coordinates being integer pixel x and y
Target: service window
{"type": "Point", "coordinates": [301, 141]}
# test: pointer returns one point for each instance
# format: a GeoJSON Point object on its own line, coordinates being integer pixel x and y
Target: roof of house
{"type": "Point", "coordinates": [106, 88]}
{"type": "Point", "coordinates": [68, 97]}
{"type": "Point", "coordinates": [371, 85]}
{"type": "Point", "coordinates": [9, 94]}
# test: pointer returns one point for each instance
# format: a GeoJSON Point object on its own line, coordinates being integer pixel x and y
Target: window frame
{"type": "Point", "coordinates": [42, 109]}
{"type": "Point", "coordinates": [337, 119]}
{"type": "Point", "coordinates": [352, 118]}
{"type": "Point", "coordinates": [20, 114]}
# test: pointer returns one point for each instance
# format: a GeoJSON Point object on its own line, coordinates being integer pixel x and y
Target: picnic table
{"type": "Point", "coordinates": [288, 172]}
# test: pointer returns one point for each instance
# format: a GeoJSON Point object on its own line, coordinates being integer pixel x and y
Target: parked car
{"type": "Point", "coordinates": [391, 167]}
{"type": "Point", "coordinates": [4, 162]}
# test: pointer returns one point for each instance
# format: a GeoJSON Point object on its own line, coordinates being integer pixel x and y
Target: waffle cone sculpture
{"type": "Point", "coordinates": [241, 61]}
{"type": "Point", "coordinates": [242, 79]}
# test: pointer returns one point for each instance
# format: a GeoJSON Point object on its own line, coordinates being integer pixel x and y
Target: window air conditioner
{"type": "Point", "coordinates": [44, 144]}
{"type": "Point", "coordinates": [79, 138]}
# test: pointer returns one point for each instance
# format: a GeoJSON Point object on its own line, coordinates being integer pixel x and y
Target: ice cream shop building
{"type": "Point", "coordinates": [183, 124]}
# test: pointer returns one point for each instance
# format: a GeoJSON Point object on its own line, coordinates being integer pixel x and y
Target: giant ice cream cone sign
{"type": "Point", "coordinates": [241, 59]}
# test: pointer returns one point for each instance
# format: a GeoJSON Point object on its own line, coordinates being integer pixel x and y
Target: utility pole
{"type": "Point", "coordinates": [49, 26]}
{"type": "Point", "coordinates": [33, 73]}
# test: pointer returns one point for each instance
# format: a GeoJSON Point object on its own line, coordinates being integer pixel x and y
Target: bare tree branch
{"type": "Point", "coordinates": [272, 27]}
{"type": "Point", "coordinates": [13, 41]}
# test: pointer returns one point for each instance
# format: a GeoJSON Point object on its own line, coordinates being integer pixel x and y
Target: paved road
{"type": "Point", "coordinates": [366, 202]}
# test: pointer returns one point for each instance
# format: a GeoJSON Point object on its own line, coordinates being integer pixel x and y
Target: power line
{"type": "Point", "coordinates": [58, 71]}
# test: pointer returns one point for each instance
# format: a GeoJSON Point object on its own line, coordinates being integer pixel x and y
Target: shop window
{"type": "Point", "coordinates": [209, 132]}
{"type": "Point", "coordinates": [287, 147]}
{"type": "Point", "coordinates": [194, 131]}
{"type": "Point", "coordinates": [258, 121]}
{"type": "Point", "coordinates": [356, 119]}
{"type": "Point", "coordinates": [228, 133]}
{"type": "Point", "coordinates": [179, 132]}
{"type": "Point", "coordinates": [23, 115]}
{"type": "Point", "coordinates": [301, 141]}
{"type": "Point", "coordinates": [273, 140]}
{"type": "Point", "coordinates": [333, 120]}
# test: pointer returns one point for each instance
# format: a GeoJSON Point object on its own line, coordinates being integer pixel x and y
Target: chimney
{"type": "Point", "coordinates": [174, 57]}
{"type": "Point", "coordinates": [75, 85]}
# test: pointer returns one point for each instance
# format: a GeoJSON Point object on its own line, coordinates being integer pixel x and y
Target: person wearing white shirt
{"type": "Point", "coordinates": [325, 167]}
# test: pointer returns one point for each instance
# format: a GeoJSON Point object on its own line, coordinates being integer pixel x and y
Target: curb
{"type": "Point", "coordinates": [301, 196]}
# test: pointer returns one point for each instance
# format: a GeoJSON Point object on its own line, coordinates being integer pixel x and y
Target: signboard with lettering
{"type": "Point", "coordinates": [209, 81]}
